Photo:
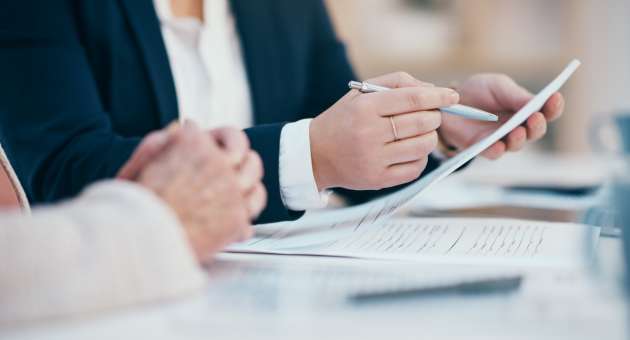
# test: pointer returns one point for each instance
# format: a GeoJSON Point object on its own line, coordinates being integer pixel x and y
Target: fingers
{"type": "Point", "coordinates": [411, 149]}
{"type": "Point", "coordinates": [495, 151]}
{"type": "Point", "coordinates": [250, 172]}
{"type": "Point", "coordinates": [406, 172]}
{"type": "Point", "coordinates": [149, 148]}
{"type": "Point", "coordinates": [516, 139]}
{"type": "Point", "coordinates": [513, 142]}
{"type": "Point", "coordinates": [256, 200]}
{"type": "Point", "coordinates": [250, 176]}
{"type": "Point", "coordinates": [246, 234]}
{"type": "Point", "coordinates": [397, 80]}
{"type": "Point", "coordinates": [554, 107]}
{"type": "Point", "coordinates": [416, 123]}
{"type": "Point", "coordinates": [536, 126]}
{"type": "Point", "coordinates": [409, 99]}
{"type": "Point", "coordinates": [233, 141]}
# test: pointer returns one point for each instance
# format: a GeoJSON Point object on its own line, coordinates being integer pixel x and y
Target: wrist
{"type": "Point", "coordinates": [319, 161]}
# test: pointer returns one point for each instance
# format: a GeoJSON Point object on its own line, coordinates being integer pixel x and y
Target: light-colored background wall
{"type": "Point", "coordinates": [445, 40]}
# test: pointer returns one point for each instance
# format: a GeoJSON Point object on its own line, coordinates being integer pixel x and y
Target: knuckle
{"type": "Point", "coordinates": [409, 176]}
{"type": "Point", "coordinates": [416, 99]}
{"type": "Point", "coordinates": [433, 141]}
{"type": "Point", "coordinates": [398, 177]}
{"type": "Point", "coordinates": [403, 77]}
{"type": "Point", "coordinates": [503, 78]}
{"type": "Point", "coordinates": [242, 136]}
{"type": "Point", "coordinates": [255, 158]}
{"type": "Point", "coordinates": [422, 164]}
{"type": "Point", "coordinates": [427, 143]}
{"type": "Point", "coordinates": [448, 96]}
{"type": "Point", "coordinates": [413, 172]}
{"type": "Point", "coordinates": [152, 138]}
{"type": "Point", "coordinates": [421, 123]}
{"type": "Point", "coordinates": [436, 119]}
{"type": "Point", "coordinates": [260, 195]}
{"type": "Point", "coordinates": [257, 164]}
{"type": "Point", "coordinates": [429, 121]}
{"type": "Point", "coordinates": [376, 179]}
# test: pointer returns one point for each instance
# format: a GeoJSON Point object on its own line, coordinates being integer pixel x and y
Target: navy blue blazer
{"type": "Point", "coordinates": [81, 82]}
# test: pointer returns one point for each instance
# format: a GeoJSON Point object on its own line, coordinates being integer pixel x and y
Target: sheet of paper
{"type": "Point", "coordinates": [384, 207]}
{"type": "Point", "coordinates": [489, 241]}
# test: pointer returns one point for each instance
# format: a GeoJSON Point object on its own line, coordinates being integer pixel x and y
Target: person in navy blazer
{"type": "Point", "coordinates": [82, 82]}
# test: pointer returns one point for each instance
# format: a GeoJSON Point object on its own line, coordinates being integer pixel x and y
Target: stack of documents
{"type": "Point", "coordinates": [435, 240]}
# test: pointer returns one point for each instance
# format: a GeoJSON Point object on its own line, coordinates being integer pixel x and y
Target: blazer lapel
{"type": "Point", "coordinates": [146, 27]}
{"type": "Point", "coordinates": [254, 22]}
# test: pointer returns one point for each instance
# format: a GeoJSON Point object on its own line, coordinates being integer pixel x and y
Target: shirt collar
{"type": "Point", "coordinates": [215, 12]}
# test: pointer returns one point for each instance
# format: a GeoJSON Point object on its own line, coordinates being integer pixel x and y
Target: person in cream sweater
{"type": "Point", "coordinates": [183, 196]}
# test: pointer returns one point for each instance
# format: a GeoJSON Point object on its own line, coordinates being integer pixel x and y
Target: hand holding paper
{"type": "Point", "coordinates": [384, 207]}
{"type": "Point", "coordinates": [498, 94]}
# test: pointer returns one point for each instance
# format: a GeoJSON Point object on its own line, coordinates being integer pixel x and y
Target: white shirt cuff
{"type": "Point", "coordinates": [298, 188]}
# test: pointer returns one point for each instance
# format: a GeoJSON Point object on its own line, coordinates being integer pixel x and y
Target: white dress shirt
{"type": "Point", "coordinates": [213, 90]}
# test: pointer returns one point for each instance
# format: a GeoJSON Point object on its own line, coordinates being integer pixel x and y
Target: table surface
{"type": "Point", "coordinates": [281, 297]}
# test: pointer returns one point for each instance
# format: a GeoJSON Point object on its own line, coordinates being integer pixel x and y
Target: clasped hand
{"type": "Point", "coordinates": [210, 180]}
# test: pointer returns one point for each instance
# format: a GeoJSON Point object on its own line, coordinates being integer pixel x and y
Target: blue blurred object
{"type": "Point", "coordinates": [622, 122]}
{"type": "Point", "coordinates": [618, 213]}
{"type": "Point", "coordinates": [621, 205]}
{"type": "Point", "coordinates": [604, 217]}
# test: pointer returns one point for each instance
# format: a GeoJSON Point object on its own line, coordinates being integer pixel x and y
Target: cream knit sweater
{"type": "Point", "coordinates": [115, 245]}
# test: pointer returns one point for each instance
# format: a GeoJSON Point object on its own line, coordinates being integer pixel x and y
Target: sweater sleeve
{"type": "Point", "coordinates": [114, 246]}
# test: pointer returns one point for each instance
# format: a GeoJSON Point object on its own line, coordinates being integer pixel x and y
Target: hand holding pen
{"type": "Point", "coordinates": [375, 141]}
{"type": "Point", "coordinates": [458, 110]}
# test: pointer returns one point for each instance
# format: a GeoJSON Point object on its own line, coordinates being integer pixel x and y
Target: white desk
{"type": "Point", "coordinates": [553, 304]}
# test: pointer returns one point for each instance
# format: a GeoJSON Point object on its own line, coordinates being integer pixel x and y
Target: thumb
{"type": "Point", "coordinates": [233, 141]}
{"type": "Point", "coordinates": [509, 94]}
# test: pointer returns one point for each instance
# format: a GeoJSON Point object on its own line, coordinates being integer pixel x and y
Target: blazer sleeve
{"type": "Point", "coordinates": [52, 122]}
{"type": "Point", "coordinates": [328, 70]}
{"type": "Point", "coordinates": [113, 246]}
{"type": "Point", "coordinates": [265, 140]}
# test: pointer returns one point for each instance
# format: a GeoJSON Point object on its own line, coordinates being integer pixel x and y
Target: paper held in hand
{"type": "Point", "coordinates": [352, 218]}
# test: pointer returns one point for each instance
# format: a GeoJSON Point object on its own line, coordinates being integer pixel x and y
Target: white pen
{"type": "Point", "coordinates": [459, 110]}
